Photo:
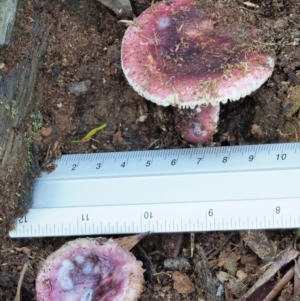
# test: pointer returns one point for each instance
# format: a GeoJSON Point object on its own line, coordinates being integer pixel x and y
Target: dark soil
{"type": "Point", "coordinates": [84, 45]}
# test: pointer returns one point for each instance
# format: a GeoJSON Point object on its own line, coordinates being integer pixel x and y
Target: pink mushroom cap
{"type": "Point", "coordinates": [175, 55]}
{"type": "Point", "coordinates": [90, 270]}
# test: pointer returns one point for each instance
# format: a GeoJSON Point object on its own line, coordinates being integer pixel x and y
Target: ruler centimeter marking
{"type": "Point", "coordinates": [176, 190]}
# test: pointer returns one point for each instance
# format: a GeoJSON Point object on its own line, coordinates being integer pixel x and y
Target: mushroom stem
{"type": "Point", "coordinates": [197, 126]}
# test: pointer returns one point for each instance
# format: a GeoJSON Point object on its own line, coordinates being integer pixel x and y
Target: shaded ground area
{"type": "Point", "coordinates": [84, 45]}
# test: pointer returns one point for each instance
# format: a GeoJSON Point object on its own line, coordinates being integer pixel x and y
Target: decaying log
{"type": "Point", "coordinates": [20, 120]}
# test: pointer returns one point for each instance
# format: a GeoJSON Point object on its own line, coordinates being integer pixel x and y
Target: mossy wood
{"type": "Point", "coordinates": [19, 117]}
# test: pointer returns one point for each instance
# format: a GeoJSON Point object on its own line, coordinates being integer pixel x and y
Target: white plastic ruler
{"type": "Point", "coordinates": [199, 189]}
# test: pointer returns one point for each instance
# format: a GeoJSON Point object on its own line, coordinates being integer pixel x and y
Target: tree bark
{"type": "Point", "coordinates": [19, 120]}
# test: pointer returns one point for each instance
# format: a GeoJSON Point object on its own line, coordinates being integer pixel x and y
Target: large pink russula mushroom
{"type": "Point", "coordinates": [90, 270]}
{"type": "Point", "coordinates": [174, 55]}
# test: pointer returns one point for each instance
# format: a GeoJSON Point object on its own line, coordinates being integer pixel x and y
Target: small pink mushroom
{"type": "Point", "coordinates": [90, 269]}
{"type": "Point", "coordinates": [174, 55]}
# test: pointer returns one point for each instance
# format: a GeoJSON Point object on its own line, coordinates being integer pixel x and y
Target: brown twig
{"type": "Point", "coordinates": [297, 278]}
{"type": "Point", "coordinates": [284, 258]}
{"type": "Point", "coordinates": [178, 245]}
{"type": "Point", "coordinates": [221, 246]}
{"type": "Point", "coordinates": [280, 284]}
{"type": "Point", "coordinates": [18, 294]}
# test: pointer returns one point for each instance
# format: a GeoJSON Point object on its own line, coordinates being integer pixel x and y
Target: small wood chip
{"type": "Point", "coordinates": [205, 277]}
{"type": "Point", "coordinates": [250, 4]}
{"type": "Point", "coordinates": [258, 242]}
{"type": "Point", "coordinates": [182, 283]}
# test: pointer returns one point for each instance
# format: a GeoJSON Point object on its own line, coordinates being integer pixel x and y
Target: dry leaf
{"type": "Point", "coordinates": [90, 134]}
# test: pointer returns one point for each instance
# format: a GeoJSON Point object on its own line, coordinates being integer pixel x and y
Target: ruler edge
{"type": "Point", "coordinates": [269, 146]}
